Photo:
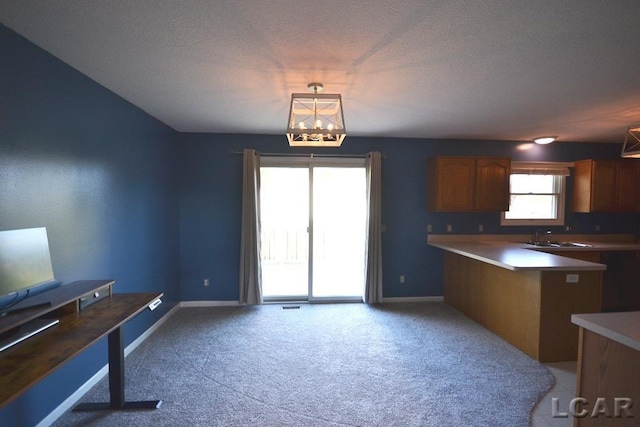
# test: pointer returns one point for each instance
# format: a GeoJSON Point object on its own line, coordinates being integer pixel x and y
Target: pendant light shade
{"type": "Point", "coordinates": [631, 146]}
{"type": "Point", "coordinates": [316, 120]}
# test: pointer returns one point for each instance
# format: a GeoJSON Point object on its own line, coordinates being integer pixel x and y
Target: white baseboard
{"type": "Point", "coordinates": [413, 299]}
{"type": "Point", "coordinates": [74, 398]}
{"type": "Point", "coordinates": [135, 343]}
{"type": "Point", "coordinates": [237, 304]}
{"type": "Point", "coordinates": [84, 388]}
{"type": "Point", "coordinates": [209, 304]}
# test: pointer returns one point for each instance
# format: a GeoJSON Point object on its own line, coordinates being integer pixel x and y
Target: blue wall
{"type": "Point", "coordinates": [210, 204]}
{"type": "Point", "coordinates": [99, 174]}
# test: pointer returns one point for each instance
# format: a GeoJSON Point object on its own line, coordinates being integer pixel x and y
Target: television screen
{"type": "Point", "coordinates": [25, 261]}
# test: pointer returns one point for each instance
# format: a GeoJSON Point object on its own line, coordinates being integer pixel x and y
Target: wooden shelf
{"type": "Point", "coordinates": [57, 298]}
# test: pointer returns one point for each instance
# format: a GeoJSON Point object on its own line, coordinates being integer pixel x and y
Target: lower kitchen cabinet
{"type": "Point", "coordinates": [608, 369]}
{"type": "Point", "coordinates": [621, 279]}
{"type": "Point", "coordinates": [531, 309]}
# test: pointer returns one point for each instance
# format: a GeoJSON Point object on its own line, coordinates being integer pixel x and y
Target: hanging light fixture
{"type": "Point", "coordinates": [631, 146]}
{"type": "Point", "coordinates": [316, 120]}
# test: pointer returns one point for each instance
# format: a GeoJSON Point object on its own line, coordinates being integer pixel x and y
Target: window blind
{"type": "Point", "coordinates": [541, 168]}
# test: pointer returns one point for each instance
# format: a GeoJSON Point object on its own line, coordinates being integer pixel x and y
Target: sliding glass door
{"type": "Point", "coordinates": [313, 221]}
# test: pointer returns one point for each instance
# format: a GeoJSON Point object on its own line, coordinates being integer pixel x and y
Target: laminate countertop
{"type": "Point", "coordinates": [515, 256]}
{"type": "Point", "coordinates": [623, 328]}
{"type": "Point", "coordinates": [511, 251]}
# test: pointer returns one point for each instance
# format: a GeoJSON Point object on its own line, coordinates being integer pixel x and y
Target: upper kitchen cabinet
{"type": "Point", "coordinates": [468, 184]}
{"type": "Point", "coordinates": [606, 186]}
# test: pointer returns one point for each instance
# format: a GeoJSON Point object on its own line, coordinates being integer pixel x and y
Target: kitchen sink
{"type": "Point", "coordinates": [559, 244]}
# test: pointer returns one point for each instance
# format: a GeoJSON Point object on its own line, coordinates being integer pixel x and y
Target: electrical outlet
{"type": "Point", "coordinates": [573, 278]}
{"type": "Point", "coordinates": [401, 279]}
{"type": "Point", "coordinates": [480, 228]}
{"type": "Point", "coordinates": [429, 228]}
{"type": "Point", "coordinates": [449, 228]}
{"type": "Point", "coordinates": [597, 228]}
{"type": "Point", "coordinates": [205, 282]}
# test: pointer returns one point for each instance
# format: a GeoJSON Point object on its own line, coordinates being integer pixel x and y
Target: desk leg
{"type": "Point", "coordinates": [116, 381]}
{"type": "Point", "coordinates": [116, 368]}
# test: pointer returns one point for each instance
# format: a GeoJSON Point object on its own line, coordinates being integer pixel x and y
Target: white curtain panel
{"type": "Point", "coordinates": [373, 255]}
{"type": "Point", "coordinates": [250, 269]}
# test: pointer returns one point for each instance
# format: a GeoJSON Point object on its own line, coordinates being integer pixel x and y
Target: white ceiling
{"type": "Point", "coordinates": [490, 69]}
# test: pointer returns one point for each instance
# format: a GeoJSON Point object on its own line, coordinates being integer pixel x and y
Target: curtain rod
{"type": "Point", "coordinates": [311, 155]}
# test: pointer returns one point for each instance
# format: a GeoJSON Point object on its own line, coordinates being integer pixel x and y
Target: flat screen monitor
{"type": "Point", "coordinates": [25, 261]}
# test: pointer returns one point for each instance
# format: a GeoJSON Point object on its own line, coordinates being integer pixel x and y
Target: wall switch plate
{"type": "Point", "coordinates": [573, 278]}
{"type": "Point", "coordinates": [449, 228]}
{"type": "Point", "coordinates": [429, 228]}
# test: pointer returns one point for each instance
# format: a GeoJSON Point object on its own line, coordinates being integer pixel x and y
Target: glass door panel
{"type": "Point", "coordinates": [284, 204]}
{"type": "Point", "coordinates": [339, 232]}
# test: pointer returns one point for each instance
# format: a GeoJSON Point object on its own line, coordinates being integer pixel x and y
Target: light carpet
{"type": "Point", "coordinates": [400, 364]}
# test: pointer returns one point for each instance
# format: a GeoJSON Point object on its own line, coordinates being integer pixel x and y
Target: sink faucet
{"type": "Point", "coordinates": [537, 236]}
{"type": "Point", "coordinates": [548, 236]}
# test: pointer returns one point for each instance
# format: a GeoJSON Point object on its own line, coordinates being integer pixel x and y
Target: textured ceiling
{"type": "Point", "coordinates": [491, 69]}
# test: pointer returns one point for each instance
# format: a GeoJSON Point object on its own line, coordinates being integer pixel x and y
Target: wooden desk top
{"type": "Point", "coordinates": [28, 362]}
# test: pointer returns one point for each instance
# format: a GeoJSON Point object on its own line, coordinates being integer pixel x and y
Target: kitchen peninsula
{"type": "Point", "coordinates": [524, 295]}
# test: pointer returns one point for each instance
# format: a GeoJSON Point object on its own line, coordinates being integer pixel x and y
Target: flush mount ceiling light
{"type": "Point", "coordinates": [316, 120]}
{"type": "Point", "coordinates": [631, 146]}
{"type": "Point", "coordinates": [544, 140]}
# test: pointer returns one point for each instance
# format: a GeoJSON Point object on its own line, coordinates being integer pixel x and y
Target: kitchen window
{"type": "Point", "coordinates": [537, 194]}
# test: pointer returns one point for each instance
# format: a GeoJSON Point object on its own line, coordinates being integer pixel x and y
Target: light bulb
{"type": "Point", "coordinates": [330, 126]}
{"type": "Point", "coordinates": [302, 126]}
{"type": "Point", "coordinates": [318, 124]}
{"type": "Point", "coordinates": [544, 140]}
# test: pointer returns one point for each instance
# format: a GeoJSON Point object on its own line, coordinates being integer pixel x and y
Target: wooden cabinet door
{"type": "Point", "coordinates": [582, 183]}
{"type": "Point", "coordinates": [606, 186]}
{"type": "Point", "coordinates": [603, 191]}
{"type": "Point", "coordinates": [628, 186]}
{"type": "Point", "coordinates": [451, 184]}
{"type": "Point", "coordinates": [492, 184]}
